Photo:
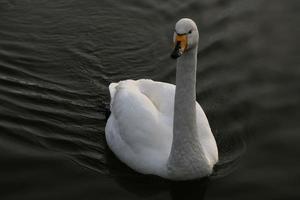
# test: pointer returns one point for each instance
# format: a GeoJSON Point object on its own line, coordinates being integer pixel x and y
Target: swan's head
{"type": "Point", "coordinates": [185, 37]}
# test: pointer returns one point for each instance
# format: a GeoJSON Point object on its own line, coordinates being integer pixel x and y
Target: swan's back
{"type": "Point", "coordinates": [160, 94]}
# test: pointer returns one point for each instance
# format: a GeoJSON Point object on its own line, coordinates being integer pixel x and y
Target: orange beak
{"type": "Point", "coordinates": [180, 46]}
{"type": "Point", "coordinates": [183, 41]}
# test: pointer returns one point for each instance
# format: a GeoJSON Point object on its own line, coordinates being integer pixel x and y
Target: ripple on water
{"type": "Point", "coordinates": [58, 57]}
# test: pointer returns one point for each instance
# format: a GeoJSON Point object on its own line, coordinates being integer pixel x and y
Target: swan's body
{"type": "Point", "coordinates": [159, 128]}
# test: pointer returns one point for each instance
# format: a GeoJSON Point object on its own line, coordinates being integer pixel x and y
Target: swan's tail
{"type": "Point", "coordinates": [112, 91]}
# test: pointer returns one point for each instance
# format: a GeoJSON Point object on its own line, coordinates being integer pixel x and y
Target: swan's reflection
{"type": "Point", "coordinates": [189, 189]}
{"type": "Point", "coordinates": [149, 187]}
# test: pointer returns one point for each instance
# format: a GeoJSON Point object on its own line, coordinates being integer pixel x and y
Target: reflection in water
{"type": "Point", "coordinates": [148, 185]}
{"type": "Point", "coordinates": [189, 189]}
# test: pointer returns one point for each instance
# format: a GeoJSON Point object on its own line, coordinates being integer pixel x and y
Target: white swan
{"type": "Point", "coordinates": [157, 128]}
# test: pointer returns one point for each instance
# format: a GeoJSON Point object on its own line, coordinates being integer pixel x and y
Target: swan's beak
{"type": "Point", "coordinates": [180, 46]}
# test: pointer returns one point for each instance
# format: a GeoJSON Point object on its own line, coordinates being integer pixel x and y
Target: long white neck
{"type": "Point", "coordinates": [186, 157]}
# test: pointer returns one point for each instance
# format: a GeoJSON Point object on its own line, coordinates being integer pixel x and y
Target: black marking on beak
{"type": "Point", "coordinates": [177, 51]}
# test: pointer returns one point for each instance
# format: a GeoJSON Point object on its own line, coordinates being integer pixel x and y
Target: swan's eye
{"type": "Point", "coordinates": [190, 31]}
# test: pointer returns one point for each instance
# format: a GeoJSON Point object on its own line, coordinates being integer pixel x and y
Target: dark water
{"type": "Point", "coordinates": [58, 57]}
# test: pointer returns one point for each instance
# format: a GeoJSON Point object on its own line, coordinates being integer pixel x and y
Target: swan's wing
{"type": "Point", "coordinates": [161, 94]}
{"type": "Point", "coordinates": [137, 131]}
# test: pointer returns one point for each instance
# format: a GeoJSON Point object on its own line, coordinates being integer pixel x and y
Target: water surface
{"type": "Point", "coordinates": [58, 57]}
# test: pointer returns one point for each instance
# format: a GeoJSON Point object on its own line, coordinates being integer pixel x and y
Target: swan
{"type": "Point", "coordinates": [158, 128]}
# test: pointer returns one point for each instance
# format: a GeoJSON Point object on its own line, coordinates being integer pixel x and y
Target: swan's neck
{"type": "Point", "coordinates": [186, 153]}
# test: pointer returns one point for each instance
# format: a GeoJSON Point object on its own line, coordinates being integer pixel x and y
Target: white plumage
{"type": "Point", "coordinates": [143, 113]}
{"type": "Point", "coordinates": [140, 128]}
